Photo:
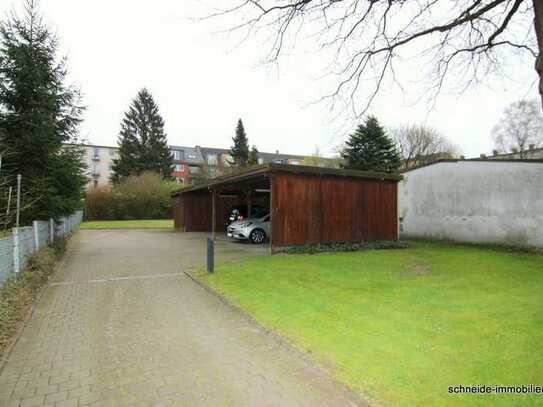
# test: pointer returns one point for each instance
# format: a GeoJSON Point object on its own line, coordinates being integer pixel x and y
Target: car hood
{"type": "Point", "coordinates": [240, 222]}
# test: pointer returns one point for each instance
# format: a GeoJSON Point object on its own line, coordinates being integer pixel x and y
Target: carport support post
{"type": "Point", "coordinates": [270, 239]}
{"type": "Point", "coordinates": [249, 202]}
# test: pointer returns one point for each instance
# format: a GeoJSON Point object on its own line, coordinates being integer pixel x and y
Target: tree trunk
{"type": "Point", "coordinates": [538, 24]}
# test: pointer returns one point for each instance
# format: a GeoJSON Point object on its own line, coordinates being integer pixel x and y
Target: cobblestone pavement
{"type": "Point", "coordinates": [120, 325]}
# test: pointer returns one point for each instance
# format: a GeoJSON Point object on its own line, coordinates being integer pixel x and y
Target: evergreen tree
{"type": "Point", "coordinates": [240, 150]}
{"type": "Point", "coordinates": [143, 145]}
{"type": "Point", "coordinates": [38, 114]}
{"type": "Point", "coordinates": [369, 148]}
{"type": "Point", "coordinates": [253, 156]}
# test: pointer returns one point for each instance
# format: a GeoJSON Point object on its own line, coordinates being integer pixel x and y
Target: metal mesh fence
{"type": "Point", "coordinates": [15, 250]}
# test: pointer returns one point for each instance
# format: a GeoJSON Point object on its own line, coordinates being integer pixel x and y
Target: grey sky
{"type": "Point", "coordinates": [203, 83]}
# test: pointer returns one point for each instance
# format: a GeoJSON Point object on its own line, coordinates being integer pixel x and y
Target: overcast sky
{"type": "Point", "coordinates": [203, 83]}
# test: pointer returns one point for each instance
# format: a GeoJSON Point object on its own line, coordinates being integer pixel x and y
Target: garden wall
{"type": "Point", "coordinates": [479, 201]}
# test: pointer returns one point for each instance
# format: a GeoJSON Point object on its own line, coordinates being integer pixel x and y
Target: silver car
{"type": "Point", "coordinates": [256, 230]}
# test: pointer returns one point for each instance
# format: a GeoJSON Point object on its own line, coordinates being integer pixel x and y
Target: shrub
{"type": "Point", "coordinates": [97, 202]}
{"type": "Point", "coordinates": [346, 247]}
{"type": "Point", "coordinates": [146, 196]}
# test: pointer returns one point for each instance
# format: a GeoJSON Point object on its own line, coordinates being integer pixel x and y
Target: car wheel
{"type": "Point", "coordinates": [258, 236]}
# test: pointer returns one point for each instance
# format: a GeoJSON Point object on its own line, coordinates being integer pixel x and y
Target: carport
{"type": "Point", "coordinates": [308, 205]}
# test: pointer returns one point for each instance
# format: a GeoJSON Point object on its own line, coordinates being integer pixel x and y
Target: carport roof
{"type": "Point", "coordinates": [266, 169]}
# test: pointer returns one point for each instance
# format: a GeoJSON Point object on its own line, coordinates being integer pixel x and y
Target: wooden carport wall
{"type": "Point", "coordinates": [316, 205]}
{"type": "Point", "coordinates": [331, 209]}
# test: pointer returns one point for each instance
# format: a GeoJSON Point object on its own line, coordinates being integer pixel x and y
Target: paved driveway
{"type": "Point", "coordinates": [120, 325]}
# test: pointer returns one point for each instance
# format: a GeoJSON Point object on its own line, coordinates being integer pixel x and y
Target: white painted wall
{"type": "Point", "coordinates": [474, 201]}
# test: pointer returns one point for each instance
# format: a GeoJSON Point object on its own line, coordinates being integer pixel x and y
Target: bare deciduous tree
{"type": "Point", "coordinates": [463, 39]}
{"type": "Point", "coordinates": [520, 126]}
{"type": "Point", "coordinates": [421, 145]}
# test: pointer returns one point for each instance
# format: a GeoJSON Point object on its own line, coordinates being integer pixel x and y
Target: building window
{"type": "Point", "coordinates": [176, 154]}
{"type": "Point", "coordinates": [261, 161]}
{"type": "Point", "coordinates": [212, 159]}
{"type": "Point", "coordinates": [96, 153]}
{"type": "Point", "coordinates": [194, 170]}
{"type": "Point", "coordinates": [112, 152]}
{"type": "Point", "coordinates": [179, 168]}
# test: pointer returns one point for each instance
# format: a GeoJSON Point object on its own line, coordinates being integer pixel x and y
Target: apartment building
{"type": "Point", "coordinates": [532, 153]}
{"type": "Point", "coordinates": [190, 163]}
{"type": "Point", "coordinates": [217, 160]}
{"type": "Point", "coordinates": [99, 162]}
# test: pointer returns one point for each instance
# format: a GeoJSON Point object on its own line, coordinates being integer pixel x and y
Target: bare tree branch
{"type": "Point", "coordinates": [366, 37]}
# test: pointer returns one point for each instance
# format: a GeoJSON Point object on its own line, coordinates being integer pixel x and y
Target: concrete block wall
{"type": "Point", "coordinates": [494, 202]}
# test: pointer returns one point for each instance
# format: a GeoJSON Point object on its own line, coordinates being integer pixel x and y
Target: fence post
{"type": "Point", "coordinates": [35, 226]}
{"type": "Point", "coordinates": [16, 263]}
{"type": "Point", "coordinates": [51, 231]}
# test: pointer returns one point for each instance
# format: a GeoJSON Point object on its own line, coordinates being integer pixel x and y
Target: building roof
{"type": "Point", "coordinates": [212, 150]}
{"type": "Point", "coordinates": [266, 157]}
{"type": "Point", "coordinates": [482, 160]}
{"type": "Point", "coordinates": [266, 169]}
{"type": "Point", "coordinates": [200, 154]}
{"type": "Point", "coordinates": [527, 153]}
{"type": "Point", "coordinates": [270, 157]}
{"type": "Point", "coordinates": [191, 155]}
{"type": "Point", "coordinates": [91, 145]}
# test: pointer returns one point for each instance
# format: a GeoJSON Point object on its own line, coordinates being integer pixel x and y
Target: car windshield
{"type": "Point", "coordinates": [258, 212]}
{"type": "Point", "coordinates": [263, 217]}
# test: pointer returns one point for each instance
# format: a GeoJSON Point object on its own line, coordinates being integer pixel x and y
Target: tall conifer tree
{"type": "Point", "coordinates": [39, 112]}
{"type": "Point", "coordinates": [143, 145]}
{"type": "Point", "coordinates": [369, 148]}
{"type": "Point", "coordinates": [240, 150]}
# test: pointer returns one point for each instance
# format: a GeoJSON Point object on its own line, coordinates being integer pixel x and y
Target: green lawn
{"type": "Point", "coordinates": [129, 224]}
{"type": "Point", "coordinates": [400, 326]}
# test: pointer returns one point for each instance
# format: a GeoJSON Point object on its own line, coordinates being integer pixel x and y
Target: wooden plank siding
{"type": "Point", "coordinates": [192, 212]}
{"type": "Point", "coordinates": [309, 209]}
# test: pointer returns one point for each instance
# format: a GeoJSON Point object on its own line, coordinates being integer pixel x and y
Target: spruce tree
{"type": "Point", "coordinates": [369, 148]}
{"type": "Point", "coordinates": [143, 145]}
{"type": "Point", "coordinates": [39, 112]}
{"type": "Point", "coordinates": [240, 150]}
{"type": "Point", "coordinates": [253, 156]}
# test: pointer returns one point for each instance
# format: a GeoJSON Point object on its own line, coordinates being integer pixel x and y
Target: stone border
{"type": "Point", "coordinates": [356, 398]}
